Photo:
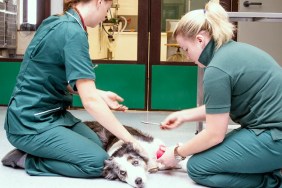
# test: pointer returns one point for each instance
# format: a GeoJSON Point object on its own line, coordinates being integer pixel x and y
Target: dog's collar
{"type": "Point", "coordinates": [160, 151]}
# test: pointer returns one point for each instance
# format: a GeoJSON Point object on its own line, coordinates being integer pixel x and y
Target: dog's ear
{"type": "Point", "coordinates": [108, 171]}
{"type": "Point", "coordinates": [108, 161]}
{"type": "Point", "coordinates": [129, 148]}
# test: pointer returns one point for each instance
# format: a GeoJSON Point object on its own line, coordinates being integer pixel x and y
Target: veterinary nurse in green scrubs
{"type": "Point", "coordinates": [49, 139]}
{"type": "Point", "coordinates": [240, 82]}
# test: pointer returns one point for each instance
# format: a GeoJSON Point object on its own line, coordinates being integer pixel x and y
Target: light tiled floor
{"type": "Point", "coordinates": [16, 178]}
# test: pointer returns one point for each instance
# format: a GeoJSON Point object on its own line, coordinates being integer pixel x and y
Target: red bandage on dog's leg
{"type": "Point", "coordinates": [160, 151]}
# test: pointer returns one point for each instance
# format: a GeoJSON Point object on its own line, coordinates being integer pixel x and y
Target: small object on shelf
{"type": "Point", "coordinates": [178, 56]}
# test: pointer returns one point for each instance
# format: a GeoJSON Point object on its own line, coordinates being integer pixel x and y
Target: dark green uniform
{"type": "Point", "coordinates": [37, 121]}
{"type": "Point", "coordinates": [246, 82]}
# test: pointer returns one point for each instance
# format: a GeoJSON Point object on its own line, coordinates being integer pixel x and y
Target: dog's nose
{"type": "Point", "coordinates": [138, 181]}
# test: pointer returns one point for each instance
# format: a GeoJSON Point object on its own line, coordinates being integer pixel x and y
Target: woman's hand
{"type": "Point", "coordinates": [173, 120]}
{"type": "Point", "coordinates": [112, 100]}
{"type": "Point", "coordinates": [168, 158]}
{"type": "Point", "coordinates": [189, 115]}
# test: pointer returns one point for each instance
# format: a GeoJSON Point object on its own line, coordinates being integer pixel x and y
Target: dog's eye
{"type": "Point", "coordinates": [123, 173]}
{"type": "Point", "coordinates": [135, 163]}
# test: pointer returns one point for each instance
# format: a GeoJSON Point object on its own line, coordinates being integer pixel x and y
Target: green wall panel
{"type": "Point", "coordinates": [126, 80]}
{"type": "Point", "coordinates": [8, 75]}
{"type": "Point", "coordinates": [76, 102]}
{"type": "Point", "coordinates": [174, 87]}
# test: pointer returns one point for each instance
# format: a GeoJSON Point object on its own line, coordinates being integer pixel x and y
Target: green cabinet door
{"type": "Point", "coordinates": [8, 75]}
{"type": "Point", "coordinates": [126, 80]}
{"type": "Point", "coordinates": [173, 87]}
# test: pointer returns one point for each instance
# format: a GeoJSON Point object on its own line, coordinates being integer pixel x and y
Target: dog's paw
{"type": "Point", "coordinates": [152, 166]}
{"type": "Point", "coordinates": [162, 167]}
{"type": "Point", "coordinates": [153, 170]}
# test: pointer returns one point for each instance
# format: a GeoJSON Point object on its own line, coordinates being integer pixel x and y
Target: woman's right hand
{"type": "Point", "coordinates": [173, 120]}
{"type": "Point", "coordinates": [168, 158]}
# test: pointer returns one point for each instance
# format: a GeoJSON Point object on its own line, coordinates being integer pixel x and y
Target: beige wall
{"type": "Point", "coordinates": [23, 40]}
{"type": "Point", "coordinates": [56, 6]}
{"type": "Point", "coordinates": [96, 50]}
{"type": "Point", "coordinates": [124, 48]}
{"type": "Point", "coordinates": [265, 35]}
{"type": "Point", "coordinates": [126, 44]}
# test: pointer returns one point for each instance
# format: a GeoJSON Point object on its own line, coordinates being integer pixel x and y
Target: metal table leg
{"type": "Point", "coordinates": [199, 126]}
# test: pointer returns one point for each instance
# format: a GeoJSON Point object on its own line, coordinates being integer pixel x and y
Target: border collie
{"type": "Point", "coordinates": [125, 162]}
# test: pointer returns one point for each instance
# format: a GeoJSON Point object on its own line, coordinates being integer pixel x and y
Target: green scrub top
{"type": "Point", "coordinates": [246, 82]}
{"type": "Point", "coordinates": [58, 55]}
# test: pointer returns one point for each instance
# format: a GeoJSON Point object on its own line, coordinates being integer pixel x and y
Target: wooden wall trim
{"type": "Point", "coordinates": [25, 11]}
{"type": "Point", "coordinates": [143, 32]}
{"type": "Point", "coordinates": [155, 31]}
{"type": "Point", "coordinates": [230, 5]}
{"type": "Point", "coordinates": [43, 10]}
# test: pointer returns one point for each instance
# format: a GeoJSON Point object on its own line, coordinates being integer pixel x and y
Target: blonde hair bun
{"type": "Point", "coordinates": [213, 19]}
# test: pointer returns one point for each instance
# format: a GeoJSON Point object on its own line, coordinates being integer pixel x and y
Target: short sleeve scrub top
{"type": "Point", "coordinates": [57, 56]}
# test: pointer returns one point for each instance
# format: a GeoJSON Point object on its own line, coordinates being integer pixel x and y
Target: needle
{"type": "Point", "coordinates": [152, 123]}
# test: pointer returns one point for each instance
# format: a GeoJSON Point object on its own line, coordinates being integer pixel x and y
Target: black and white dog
{"type": "Point", "coordinates": [126, 163]}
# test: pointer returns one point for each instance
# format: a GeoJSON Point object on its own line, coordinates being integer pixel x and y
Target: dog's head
{"type": "Point", "coordinates": [128, 165]}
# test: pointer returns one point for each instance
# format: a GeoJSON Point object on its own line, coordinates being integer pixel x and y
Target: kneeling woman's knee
{"type": "Point", "coordinates": [93, 166]}
{"type": "Point", "coordinates": [195, 169]}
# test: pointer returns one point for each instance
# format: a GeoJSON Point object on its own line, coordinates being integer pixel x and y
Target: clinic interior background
{"type": "Point", "coordinates": [133, 51]}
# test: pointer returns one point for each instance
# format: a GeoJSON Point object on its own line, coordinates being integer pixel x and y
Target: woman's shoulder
{"type": "Point", "coordinates": [59, 20]}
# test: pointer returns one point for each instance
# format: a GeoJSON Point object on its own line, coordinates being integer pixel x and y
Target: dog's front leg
{"type": "Point", "coordinates": [152, 166]}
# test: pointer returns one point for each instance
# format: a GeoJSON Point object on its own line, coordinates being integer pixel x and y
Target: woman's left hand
{"type": "Point", "coordinates": [168, 158]}
{"type": "Point", "coordinates": [112, 100]}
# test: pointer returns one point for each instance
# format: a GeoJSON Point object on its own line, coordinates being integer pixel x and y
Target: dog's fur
{"type": "Point", "coordinates": [126, 163]}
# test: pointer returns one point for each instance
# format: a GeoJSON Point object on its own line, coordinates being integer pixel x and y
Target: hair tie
{"type": "Point", "coordinates": [204, 11]}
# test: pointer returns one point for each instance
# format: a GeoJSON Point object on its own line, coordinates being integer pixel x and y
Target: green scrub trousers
{"type": "Point", "coordinates": [68, 151]}
{"type": "Point", "coordinates": [243, 160]}
{"type": "Point", "coordinates": [37, 120]}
